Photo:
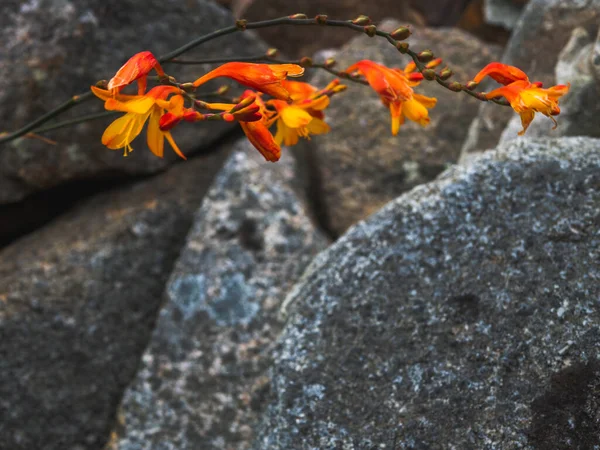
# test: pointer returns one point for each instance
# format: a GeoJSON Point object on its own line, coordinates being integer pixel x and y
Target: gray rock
{"type": "Point", "coordinates": [202, 381]}
{"type": "Point", "coordinates": [504, 13]}
{"type": "Point", "coordinates": [542, 31]}
{"type": "Point", "coordinates": [464, 315]}
{"type": "Point", "coordinates": [360, 164]}
{"type": "Point", "coordinates": [78, 300]}
{"type": "Point", "coordinates": [580, 108]}
{"type": "Point", "coordinates": [53, 49]}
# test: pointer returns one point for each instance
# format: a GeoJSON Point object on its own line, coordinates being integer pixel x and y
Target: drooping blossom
{"type": "Point", "coordinates": [140, 109]}
{"type": "Point", "coordinates": [395, 88]}
{"type": "Point", "coordinates": [525, 97]}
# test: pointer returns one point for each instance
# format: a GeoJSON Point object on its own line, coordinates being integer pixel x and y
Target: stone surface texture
{"type": "Point", "coordinates": [54, 49]}
{"type": "Point", "coordinates": [505, 13]}
{"type": "Point", "coordinates": [464, 315]}
{"type": "Point", "coordinates": [202, 382]}
{"type": "Point", "coordinates": [361, 166]}
{"type": "Point", "coordinates": [78, 301]}
{"type": "Point", "coordinates": [541, 33]}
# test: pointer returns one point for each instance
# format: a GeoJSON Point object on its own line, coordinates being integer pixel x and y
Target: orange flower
{"type": "Point", "coordinates": [135, 69]}
{"type": "Point", "coordinates": [139, 109]}
{"type": "Point", "coordinates": [394, 87]}
{"type": "Point", "coordinates": [265, 78]}
{"type": "Point", "coordinates": [527, 98]}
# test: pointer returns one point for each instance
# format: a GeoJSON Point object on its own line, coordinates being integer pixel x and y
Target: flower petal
{"type": "Point", "coordinates": [262, 139]}
{"type": "Point", "coordinates": [295, 117]}
{"type": "Point", "coordinates": [123, 131]}
{"type": "Point", "coordinates": [154, 136]}
{"type": "Point", "coordinates": [502, 73]}
{"type": "Point", "coordinates": [415, 111]}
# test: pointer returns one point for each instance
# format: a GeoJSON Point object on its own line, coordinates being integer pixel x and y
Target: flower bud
{"type": "Point", "coordinates": [471, 85]}
{"type": "Point", "coordinates": [223, 90]}
{"type": "Point", "coordinates": [455, 86]}
{"type": "Point", "coordinates": [187, 87]}
{"type": "Point", "coordinates": [370, 30]}
{"type": "Point", "coordinates": [429, 74]}
{"type": "Point", "coordinates": [400, 33]}
{"type": "Point", "coordinates": [330, 62]}
{"type": "Point", "coordinates": [306, 61]}
{"type": "Point", "coordinates": [271, 53]}
{"type": "Point", "coordinates": [402, 46]}
{"type": "Point", "coordinates": [362, 20]}
{"type": "Point", "coordinates": [321, 19]}
{"type": "Point", "coordinates": [241, 24]}
{"type": "Point", "coordinates": [102, 84]}
{"type": "Point", "coordinates": [425, 56]}
{"type": "Point", "coordinates": [446, 73]}
{"type": "Point", "coordinates": [298, 16]}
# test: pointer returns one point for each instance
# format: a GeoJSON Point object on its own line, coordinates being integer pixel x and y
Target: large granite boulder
{"type": "Point", "coordinates": [578, 65]}
{"type": "Point", "coordinates": [78, 301]}
{"type": "Point", "coordinates": [54, 49]}
{"type": "Point", "coordinates": [464, 315]}
{"type": "Point", "coordinates": [360, 165]}
{"type": "Point", "coordinates": [202, 382]}
{"type": "Point", "coordinates": [505, 13]}
{"type": "Point", "coordinates": [540, 34]}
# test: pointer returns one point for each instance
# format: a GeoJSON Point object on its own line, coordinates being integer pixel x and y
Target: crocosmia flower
{"type": "Point", "coordinates": [135, 69]}
{"type": "Point", "coordinates": [140, 109]}
{"type": "Point", "coordinates": [525, 98]}
{"type": "Point", "coordinates": [265, 78]}
{"type": "Point", "coordinates": [395, 88]}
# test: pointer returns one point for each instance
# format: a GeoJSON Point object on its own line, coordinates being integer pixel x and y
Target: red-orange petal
{"type": "Point", "coordinates": [502, 73]}
{"type": "Point", "coordinates": [262, 139]}
{"type": "Point", "coordinates": [138, 66]}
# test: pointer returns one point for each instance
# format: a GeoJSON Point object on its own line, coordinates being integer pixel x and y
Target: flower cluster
{"type": "Point", "coordinates": [294, 108]}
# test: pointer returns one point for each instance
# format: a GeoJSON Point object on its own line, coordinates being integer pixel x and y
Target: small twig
{"type": "Point", "coordinates": [67, 123]}
{"type": "Point", "coordinates": [75, 100]}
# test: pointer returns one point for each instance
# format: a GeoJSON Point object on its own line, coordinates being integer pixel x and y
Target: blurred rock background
{"type": "Point", "coordinates": [160, 305]}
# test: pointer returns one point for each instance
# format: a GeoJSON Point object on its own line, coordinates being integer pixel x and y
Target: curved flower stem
{"type": "Point", "coordinates": [75, 100]}
{"type": "Point", "coordinates": [67, 123]}
{"type": "Point", "coordinates": [242, 25]}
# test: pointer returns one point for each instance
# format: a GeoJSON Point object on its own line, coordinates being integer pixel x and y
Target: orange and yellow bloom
{"type": "Point", "coordinates": [525, 98]}
{"type": "Point", "coordinates": [140, 109]}
{"type": "Point", "coordinates": [395, 88]}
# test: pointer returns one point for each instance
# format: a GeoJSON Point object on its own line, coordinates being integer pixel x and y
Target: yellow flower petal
{"type": "Point", "coordinates": [526, 119]}
{"type": "Point", "coordinates": [123, 131]}
{"type": "Point", "coordinates": [427, 102]}
{"type": "Point", "coordinates": [155, 137]}
{"type": "Point", "coordinates": [317, 126]}
{"type": "Point", "coordinates": [295, 117]}
{"type": "Point", "coordinates": [139, 105]}
{"type": "Point", "coordinates": [415, 111]}
{"type": "Point", "coordinates": [169, 138]}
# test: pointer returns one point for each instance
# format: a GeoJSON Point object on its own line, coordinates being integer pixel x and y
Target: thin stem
{"type": "Point", "coordinates": [67, 123]}
{"type": "Point", "coordinates": [75, 100]}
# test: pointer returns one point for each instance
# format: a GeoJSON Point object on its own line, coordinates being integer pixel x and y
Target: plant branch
{"type": "Point", "coordinates": [241, 25]}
